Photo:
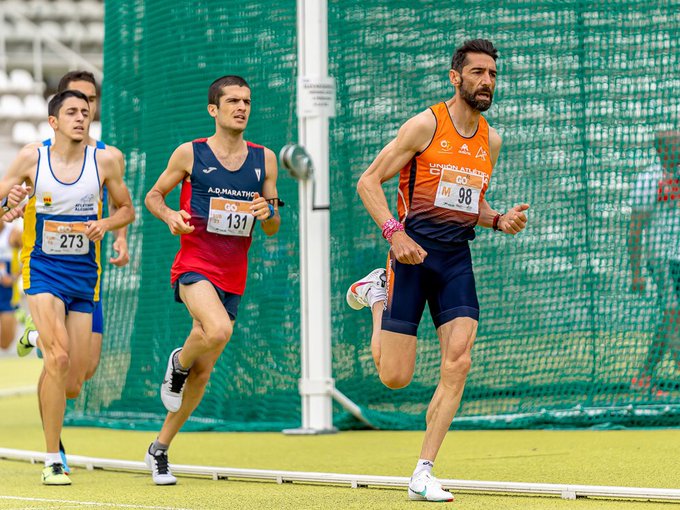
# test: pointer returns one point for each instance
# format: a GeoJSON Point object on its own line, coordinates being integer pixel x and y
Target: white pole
{"type": "Point", "coordinates": [316, 383]}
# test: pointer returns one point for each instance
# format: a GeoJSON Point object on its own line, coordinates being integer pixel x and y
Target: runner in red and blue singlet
{"type": "Point", "coordinates": [228, 185]}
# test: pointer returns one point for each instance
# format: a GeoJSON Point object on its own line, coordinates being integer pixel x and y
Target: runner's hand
{"type": "Point", "coordinates": [177, 224]}
{"type": "Point", "coordinates": [406, 250]}
{"type": "Point", "coordinates": [260, 207]}
{"type": "Point", "coordinates": [120, 246]}
{"type": "Point", "coordinates": [17, 194]}
{"type": "Point", "coordinates": [95, 230]}
{"type": "Point", "coordinates": [13, 214]}
{"type": "Point", "coordinates": [514, 221]}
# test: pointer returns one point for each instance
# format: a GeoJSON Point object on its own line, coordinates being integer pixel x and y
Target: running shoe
{"type": "Point", "coordinates": [357, 294]}
{"type": "Point", "coordinates": [172, 388]}
{"type": "Point", "coordinates": [54, 475]}
{"type": "Point", "coordinates": [425, 487]}
{"type": "Point", "coordinates": [157, 462]}
{"type": "Point", "coordinates": [23, 346]}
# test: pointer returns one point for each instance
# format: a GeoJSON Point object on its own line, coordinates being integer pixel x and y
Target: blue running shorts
{"type": "Point", "coordinates": [229, 300]}
{"type": "Point", "coordinates": [98, 318]}
{"type": "Point", "coordinates": [444, 280]}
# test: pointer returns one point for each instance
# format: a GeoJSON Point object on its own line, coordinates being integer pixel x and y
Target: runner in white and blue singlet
{"type": "Point", "coordinates": [62, 233]}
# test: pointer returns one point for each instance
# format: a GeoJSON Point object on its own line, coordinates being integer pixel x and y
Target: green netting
{"type": "Point", "coordinates": [582, 89]}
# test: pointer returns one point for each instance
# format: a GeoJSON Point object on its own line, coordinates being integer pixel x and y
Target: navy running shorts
{"type": "Point", "coordinates": [98, 318]}
{"type": "Point", "coordinates": [6, 299]}
{"type": "Point", "coordinates": [72, 304]}
{"type": "Point", "coordinates": [229, 300]}
{"type": "Point", "coordinates": [444, 280]}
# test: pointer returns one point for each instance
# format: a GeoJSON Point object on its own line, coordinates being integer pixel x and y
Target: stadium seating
{"type": "Point", "coordinates": [24, 82]}
{"type": "Point", "coordinates": [24, 132]}
{"type": "Point", "coordinates": [11, 107]}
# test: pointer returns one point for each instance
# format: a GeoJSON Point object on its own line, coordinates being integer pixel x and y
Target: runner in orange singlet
{"type": "Point", "coordinates": [444, 157]}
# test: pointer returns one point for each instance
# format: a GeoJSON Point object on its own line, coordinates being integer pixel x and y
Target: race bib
{"type": "Point", "coordinates": [459, 191]}
{"type": "Point", "coordinates": [65, 238]}
{"type": "Point", "coordinates": [230, 217]}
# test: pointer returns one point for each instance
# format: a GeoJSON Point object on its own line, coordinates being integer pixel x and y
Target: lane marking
{"type": "Point", "coordinates": [91, 503]}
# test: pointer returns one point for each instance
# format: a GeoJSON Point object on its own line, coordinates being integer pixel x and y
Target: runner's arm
{"type": "Point", "coordinates": [413, 137]}
{"type": "Point", "coordinates": [112, 179]}
{"type": "Point", "coordinates": [20, 171]}
{"type": "Point", "coordinates": [513, 220]}
{"type": "Point", "coordinates": [178, 169]}
{"type": "Point", "coordinates": [270, 225]}
{"type": "Point", "coordinates": [120, 161]}
{"type": "Point", "coordinates": [120, 246]}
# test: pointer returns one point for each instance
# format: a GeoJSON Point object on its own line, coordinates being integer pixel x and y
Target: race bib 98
{"type": "Point", "coordinates": [230, 217]}
{"type": "Point", "coordinates": [459, 191]}
{"type": "Point", "coordinates": [65, 238]}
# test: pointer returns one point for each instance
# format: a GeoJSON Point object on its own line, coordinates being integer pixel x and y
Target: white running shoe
{"type": "Point", "coordinates": [425, 487]}
{"type": "Point", "coordinates": [172, 388]}
{"type": "Point", "coordinates": [357, 294]}
{"type": "Point", "coordinates": [160, 469]}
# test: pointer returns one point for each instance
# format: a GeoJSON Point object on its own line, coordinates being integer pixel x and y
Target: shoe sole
{"type": "Point", "coordinates": [171, 409]}
{"type": "Point", "coordinates": [352, 301]}
{"type": "Point", "coordinates": [65, 482]}
{"type": "Point", "coordinates": [414, 496]}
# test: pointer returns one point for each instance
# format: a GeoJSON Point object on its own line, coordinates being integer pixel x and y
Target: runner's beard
{"type": "Point", "coordinates": [470, 98]}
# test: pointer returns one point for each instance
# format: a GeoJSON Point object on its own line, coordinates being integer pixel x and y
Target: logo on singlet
{"type": "Point", "coordinates": [258, 172]}
{"type": "Point", "coordinates": [464, 150]}
{"type": "Point", "coordinates": [446, 146]}
{"type": "Point", "coordinates": [481, 154]}
{"type": "Point", "coordinates": [47, 198]}
{"type": "Point", "coordinates": [209, 169]}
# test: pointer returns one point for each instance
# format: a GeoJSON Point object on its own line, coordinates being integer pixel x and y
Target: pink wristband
{"type": "Point", "coordinates": [390, 227]}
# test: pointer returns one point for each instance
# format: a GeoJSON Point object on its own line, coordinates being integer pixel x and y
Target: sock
{"type": "Point", "coordinates": [156, 445]}
{"type": "Point", "coordinates": [52, 458]}
{"type": "Point", "coordinates": [375, 294]}
{"type": "Point", "coordinates": [61, 447]}
{"type": "Point", "coordinates": [423, 465]}
{"type": "Point", "coordinates": [32, 338]}
{"type": "Point", "coordinates": [177, 364]}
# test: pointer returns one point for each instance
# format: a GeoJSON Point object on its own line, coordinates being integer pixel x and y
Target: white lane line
{"type": "Point", "coordinates": [19, 391]}
{"type": "Point", "coordinates": [91, 503]}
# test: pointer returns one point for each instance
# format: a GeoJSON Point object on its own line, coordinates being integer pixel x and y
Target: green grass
{"type": "Point", "coordinates": [643, 458]}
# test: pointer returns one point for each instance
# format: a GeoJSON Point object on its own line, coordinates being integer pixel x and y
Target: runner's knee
{"type": "Point", "coordinates": [218, 336]}
{"type": "Point", "coordinates": [57, 363]}
{"type": "Point", "coordinates": [73, 389]}
{"type": "Point", "coordinates": [455, 369]}
{"type": "Point", "coordinates": [395, 379]}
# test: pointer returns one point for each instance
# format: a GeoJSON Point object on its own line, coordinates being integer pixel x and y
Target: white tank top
{"type": "Point", "coordinates": [79, 198]}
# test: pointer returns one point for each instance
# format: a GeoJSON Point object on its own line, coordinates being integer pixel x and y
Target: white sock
{"type": "Point", "coordinates": [423, 465]}
{"type": "Point", "coordinates": [52, 458]}
{"type": "Point", "coordinates": [375, 294]}
{"type": "Point", "coordinates": [33, 338]}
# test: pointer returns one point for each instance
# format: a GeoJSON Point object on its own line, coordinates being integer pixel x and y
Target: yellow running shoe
{"type": "Point", "coordinates": [23, 345]}
{"type": "Point", "coordinates": [54, 475]}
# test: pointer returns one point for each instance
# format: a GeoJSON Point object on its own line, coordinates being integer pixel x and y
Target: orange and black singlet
{"type": "Point", "coordinates": [441, 188]}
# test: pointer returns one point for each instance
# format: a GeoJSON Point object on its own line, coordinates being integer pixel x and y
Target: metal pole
{"type": "Point", "coordinates": [316, 383]}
